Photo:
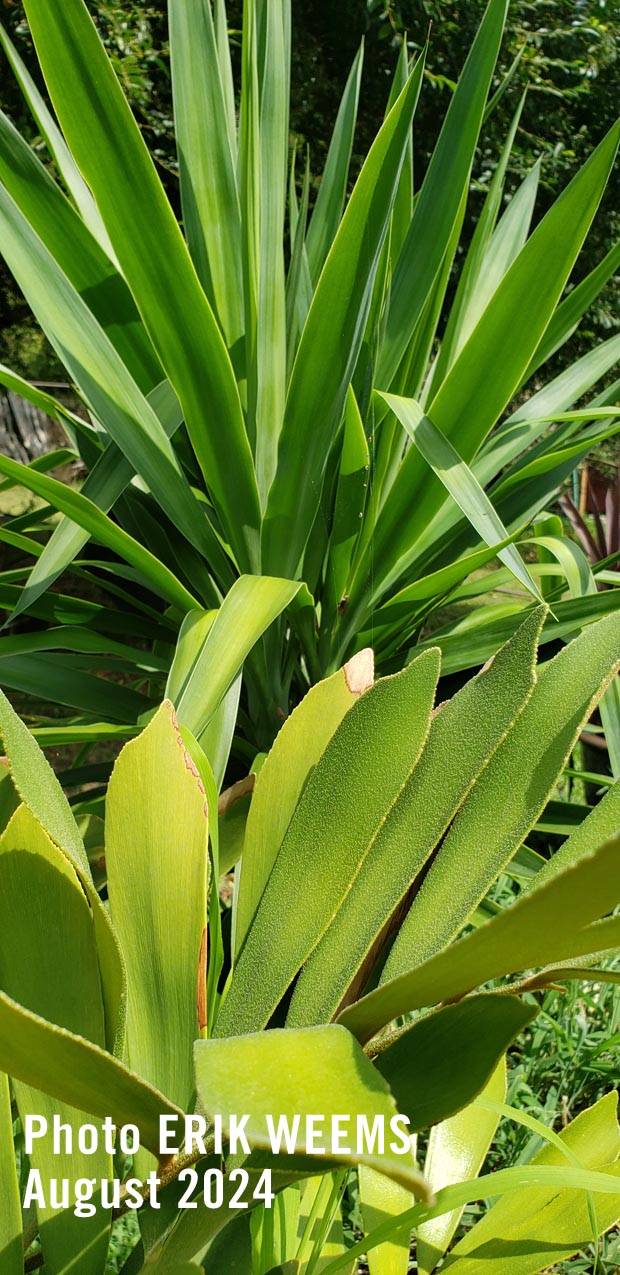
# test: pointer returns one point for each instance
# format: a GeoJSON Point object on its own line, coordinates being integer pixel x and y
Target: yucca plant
{"type": "Point", "coordinates": [276, 391]}
{"type": "Point", "coordinates": [357, 973]}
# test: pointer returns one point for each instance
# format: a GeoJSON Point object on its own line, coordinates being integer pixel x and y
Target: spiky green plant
{"type": "Point", "coordinates": [275, 391]}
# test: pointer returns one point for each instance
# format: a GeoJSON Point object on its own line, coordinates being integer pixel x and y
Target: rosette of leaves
{"type": "Point", "coordinates": [357, 971]}
{"type": "Point", "coordinates": [279, 390]}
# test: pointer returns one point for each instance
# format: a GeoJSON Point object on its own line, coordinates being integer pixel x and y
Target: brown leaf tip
{"type": "Point", "coordinates": [359, 672]}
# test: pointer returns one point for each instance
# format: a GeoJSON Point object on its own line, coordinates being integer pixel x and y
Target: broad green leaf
{"type": "Point", "coordinates": [113, 158]}
{"type": "Point", "coordinates": [76, 1072]}
{"type": "Point", "coordinates": [300, 1073]}
{"type": "Point", "coordinates": [509, 795]}
{"type": "Point", "coordinates": [41, 792]}
{"type": "Point", "coordinates": [547, 924]}
{"type": "Point", "coordinates": [87, 515]}
{"type": "Point", "coordinates": [11, 1242]}
{"type": "Point", "coordinates": [331, 341]}
{"type": "Point", "coordinates": [348, 794]}
{"type": "Point", "coordinates": [418, 821]}
{"type": "Point", "coordinates": [298, 747]}
{"type": "Point", "coordinates": [252, 604]}
{"type": "Point", "coordinates": [439, 201]}
{"type": "Point", "coordinates": [520, 1236]}
{"type": "Point", "coordinates": [333, 188]}
{"type": "Point", "coordinates": [460, 482]}
{"type": "Point", "coordinates": [457, 1149]}
{"type": "Point", "coordinates": [158, 867]}
{"type": "Point", "coordinates": [209, 195]}
{"type": "Point", "coordinates": [419, 1066]}
{"type": "Point", "coordinates": [49, 965]}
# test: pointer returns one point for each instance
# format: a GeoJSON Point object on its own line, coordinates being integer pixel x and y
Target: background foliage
{"type": "Point", "coordinates": [570, 63]}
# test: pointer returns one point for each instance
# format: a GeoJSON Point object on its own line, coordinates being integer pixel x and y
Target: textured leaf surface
{"type": "Point", "coordinates": [343, 805]}
{"type": "Point", "coordinates": [298, 747]}
{"type": "Point", "coordinates": [441, 1063]}
{"type": "Point", "coordinates": [551, 923]}
{"type": "Point", "coordinates": [288, 1073]}
{"type": "Point", "coordinates": [456, 753]}
{"type": "Point", "coordinates": [510, 794]}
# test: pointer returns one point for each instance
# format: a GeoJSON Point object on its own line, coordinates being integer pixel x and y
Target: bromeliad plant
{"type": "Point", "coordinates": [359, 973]}
{"type": "Point", "coordinates": [273, 392]}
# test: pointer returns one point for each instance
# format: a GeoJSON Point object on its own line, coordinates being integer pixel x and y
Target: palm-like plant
{"type": "Point", "coordinates": [273, 392]}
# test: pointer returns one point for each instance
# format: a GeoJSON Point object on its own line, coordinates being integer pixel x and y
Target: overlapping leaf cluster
{"type": "Point", "coordinates": [279, 391]}
{"type": "Point", "coordinates": [376, 826]}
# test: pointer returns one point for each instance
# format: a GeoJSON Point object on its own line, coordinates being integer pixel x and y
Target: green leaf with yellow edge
{"type": "Point", "coordinates": [11, 1243]}
{"type": "Point", "coordinates": [48, 964]}
{"type": "Point", "coordinates": [298, 747]}
{"type": "Point", "coordinates": [76, 1072]}
{"type": "Point", "coordinates": [158, 867]}
{"type": "Point", "coordinates": [41, 792]}
{"type": "Point", "coordinates": [510, 793]}
{"type": "Point", "coordinates": [352, 787]}
{"type": "Point", "coordinates": [530, 1232]}
{"type": "Point", "coordinates": [457, 1149]}
{"type": "Point", "coordinates": [438, 1066]}
{"type": "Point", "coordinates": [463, 734]}
{"type": "Point", "coordinates": [552, 923]}
{"type": "Point", "coordinates": [299, 1073]}
{"type": "Point", "coordinates": [601, 824]}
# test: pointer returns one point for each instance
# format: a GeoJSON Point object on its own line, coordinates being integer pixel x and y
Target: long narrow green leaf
{"type": "Point", "coordinates": [332, 191]}
{"type": "Point", "coordinates": [334, 827]}
{"type": "Point", "coordinates": [548, 924]}
{"type": "Point", "coordinates": [78, 255]}
{"type": "Point", "coordinates": [252, 604]}
{"type": "Point", "coordinates": [470, 401]}
{"type": "Point", "coordinates": [439, 201]}
{"type": "Point", "coordinates": [82, 511]}
{"type": "Point", "coordinates": [461, 483]}
{"type": "Point", "coordinates": [209, 195]}
{"type": "Point", "coordinates": [112, 155]}
{"type": "Point", "coordinates": [331, 341]}
{"type": "Point", "coordinates": [57, 147]}
{"type": "Point", "coordinates": [536, 749]}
